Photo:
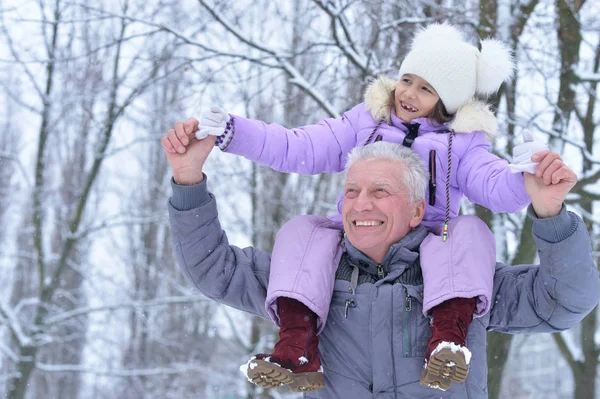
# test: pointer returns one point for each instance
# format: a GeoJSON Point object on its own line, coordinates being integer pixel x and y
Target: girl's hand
{"type": "Point", "coordinates": [522, 154]}
{"type": "Point", "coordinates": [213, 123]}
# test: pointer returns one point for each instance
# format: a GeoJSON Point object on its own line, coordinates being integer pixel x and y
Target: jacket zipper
{"type": "Point", "coordinates": [350, 303]}
{"type": "Point", "coordinates": [406, 333]}
{"type": "Point", "coordinates": [411, 135]}
{"type": "Point", "coordinates": [432, 177]}
{"type": "Point", "coordinates": [380, 272]}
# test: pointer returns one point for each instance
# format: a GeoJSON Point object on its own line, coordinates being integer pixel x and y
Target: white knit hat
{"type": "Point", "coordinates": [454, 68]}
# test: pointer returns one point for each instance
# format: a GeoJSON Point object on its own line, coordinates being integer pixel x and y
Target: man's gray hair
{"type": "Point", "coordinates": [414, 176]}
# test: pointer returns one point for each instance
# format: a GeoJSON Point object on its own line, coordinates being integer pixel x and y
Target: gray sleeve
{"type": "Point", "coordinates": [556, 294]}
{"type": "Point", "coordinates": [185, 198]}
{"type": "Point", "coordinates": [230, 275]}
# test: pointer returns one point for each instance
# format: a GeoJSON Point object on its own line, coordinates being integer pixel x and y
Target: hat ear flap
{"type": "Point", "coordinates": [495, 65]}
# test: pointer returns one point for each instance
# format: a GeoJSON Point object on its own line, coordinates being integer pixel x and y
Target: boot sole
{"type": "Point", "coordinates": [434, 381]}
{"type": "Point", "coordinates": [270, 375]}
{"type": "Point", "coordinates": [307, 382]}
{"type": "Point", "coordinates": [443, 368]}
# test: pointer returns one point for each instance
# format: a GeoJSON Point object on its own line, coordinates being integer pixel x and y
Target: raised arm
{"type": "Point", "coordinates": [487, 180]}
{"type": "Point", "coordinates": [556, 294]}
{"type": "Point", "coordinates": [228, 274]}
{"type": "Point", "coordinates": [565, 286]}
{"type": "Point", "coordinates": [309, 149]}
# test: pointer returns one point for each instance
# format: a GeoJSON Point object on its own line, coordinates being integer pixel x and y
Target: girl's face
{"type": "Point", "coordinates": [415, 98]}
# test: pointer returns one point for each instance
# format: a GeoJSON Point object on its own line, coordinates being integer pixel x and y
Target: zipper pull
{"type": "Point", "coordinates": [408, 300]}
{"type": "Point", "coordinates": [349, 304]}
{"type": "Point", "coordinates": [380, 272]}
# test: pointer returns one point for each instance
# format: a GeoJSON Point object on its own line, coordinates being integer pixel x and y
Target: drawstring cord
{"type": "Point", "coordinates": [447, 218]}
{"type": "Point", "coordinates": [373, 132]}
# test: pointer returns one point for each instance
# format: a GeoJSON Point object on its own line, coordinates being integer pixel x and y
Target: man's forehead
{"type": "Point", "coordinates": [371, 182]}
{"type": "Point", "coordinates": [373, 172]}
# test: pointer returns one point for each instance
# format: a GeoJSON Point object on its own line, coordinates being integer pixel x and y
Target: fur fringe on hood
{"type": "Point", "coordinates": [473, 116]}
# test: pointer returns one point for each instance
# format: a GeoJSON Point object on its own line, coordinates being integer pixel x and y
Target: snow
{"type": "Point", "coordinates": [454, 348]}
{"type": "Point", "coordinates": [107, 266]}
{"type": "Point", "coordinates": [588, 76]}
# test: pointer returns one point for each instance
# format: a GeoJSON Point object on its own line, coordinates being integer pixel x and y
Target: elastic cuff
{"type": "Point", "coordinates": [554, 229]}
{"type": "Point", "coordinates": [223, 140]}
{"type": "Point", "coordinates": [185, 198]}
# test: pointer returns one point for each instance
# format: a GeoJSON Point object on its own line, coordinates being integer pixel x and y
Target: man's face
{"type": "Point", "coordinates": [376, 209]}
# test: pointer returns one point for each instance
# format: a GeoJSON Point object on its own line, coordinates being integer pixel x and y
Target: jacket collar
{"type": "Point", "coordinates": [401, 255]}
{"type": "Point", "coordinates": [472, 116]}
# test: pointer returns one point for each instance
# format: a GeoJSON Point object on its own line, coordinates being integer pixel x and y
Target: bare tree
{"type": "Point", "coordinates": [70, 157]}
{"type": "Point", "coordinates": [568, 16]}
{"type": "Point", "coordinates": [104, 82]}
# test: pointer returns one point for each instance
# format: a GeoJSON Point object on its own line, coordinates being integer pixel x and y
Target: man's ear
{"type": "Point", "coordinates": [418, 213]}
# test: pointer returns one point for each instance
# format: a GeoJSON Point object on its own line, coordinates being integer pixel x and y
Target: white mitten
{"type": "Point", "coordinates": [522, 154]}
{"type": "Point", "coordinates": [213, 123]}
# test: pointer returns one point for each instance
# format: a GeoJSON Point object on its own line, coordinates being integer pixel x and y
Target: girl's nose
{"type": "Point", "coordinates": [411, 92]}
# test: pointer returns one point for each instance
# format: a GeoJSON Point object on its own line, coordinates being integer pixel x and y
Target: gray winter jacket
{"type": "Point", "coordinates": [375, 337]}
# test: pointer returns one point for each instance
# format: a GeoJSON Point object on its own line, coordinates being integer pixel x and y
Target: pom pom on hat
{"type": "Point", "coordinates": [455, 68]}
{"type": "Point", "coordinates": [494, 67]}
{"type": "Point", "coordinates": [435, 32]}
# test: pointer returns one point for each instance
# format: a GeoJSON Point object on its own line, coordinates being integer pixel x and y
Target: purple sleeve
{"type": "Point", "coordinates": [486, 179]}
{"type": "Point", "coordinates": [309, 149]}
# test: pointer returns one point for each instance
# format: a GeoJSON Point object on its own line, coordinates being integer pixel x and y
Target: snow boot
{"type": "Point", "coordinates": [295, 361]}
{"type": "Point", "coordinates": [447, 357]}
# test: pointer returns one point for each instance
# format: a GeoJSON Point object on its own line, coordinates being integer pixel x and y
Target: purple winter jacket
{"type": "Point", "coordinates": [476, 173]}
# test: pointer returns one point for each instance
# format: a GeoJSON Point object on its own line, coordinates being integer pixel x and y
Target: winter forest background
{"type": "Point", "coordinates": [93, 305]}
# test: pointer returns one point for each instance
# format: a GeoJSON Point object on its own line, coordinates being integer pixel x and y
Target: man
{"type": "Point", "coordinates": [376, 334]}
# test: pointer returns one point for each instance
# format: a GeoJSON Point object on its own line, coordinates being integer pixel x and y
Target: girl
{"type": "Point", "coordinates": [431, 109]}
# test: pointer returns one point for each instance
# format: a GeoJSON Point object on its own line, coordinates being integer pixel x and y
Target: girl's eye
{"type": "Point", "coordinates": [427, 89]}
{"type": "Point", "coordinates": [406, 80]}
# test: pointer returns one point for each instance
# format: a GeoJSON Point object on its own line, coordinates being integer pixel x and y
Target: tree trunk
{"type": "Point", "coordinates": [585, 375]}
{"type": "Point", "coordinates": [569, 43]}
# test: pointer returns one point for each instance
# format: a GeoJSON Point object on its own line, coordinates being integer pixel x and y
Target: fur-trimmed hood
{"type": "Point", "coordinates": [473, 116]}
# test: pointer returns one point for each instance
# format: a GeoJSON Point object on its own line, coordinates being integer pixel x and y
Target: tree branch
{"type": "Point", "coordinates": [349, 50]}
{"type": "Point", "coordinates": [13, 324]}
{"type": "Point", "coordinates": [62, 317]}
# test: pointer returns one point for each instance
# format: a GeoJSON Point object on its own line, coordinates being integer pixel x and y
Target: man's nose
{"type": "Point", "coordinates": [363, 203]}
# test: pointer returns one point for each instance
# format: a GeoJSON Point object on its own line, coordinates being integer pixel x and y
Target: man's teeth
{"type": "Point", "coordinates": [367, 223]}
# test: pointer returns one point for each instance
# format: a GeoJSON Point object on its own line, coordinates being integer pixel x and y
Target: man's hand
{"type": "Point", "coordinates": [185, 153]}
{"type": "Point", "coordinates": [550, 184]}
